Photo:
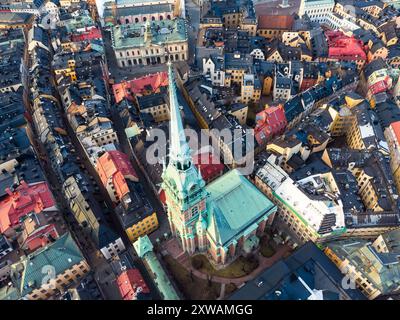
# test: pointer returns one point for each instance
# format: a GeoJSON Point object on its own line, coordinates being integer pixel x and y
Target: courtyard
{"type": "Point", "coordinates": [242, 266]}
{"type": "Point", "coordinates": [201, 280]}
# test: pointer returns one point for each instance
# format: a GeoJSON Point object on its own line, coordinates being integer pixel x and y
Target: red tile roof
{"type": "Point", "coordinates": [345, 48]}
{"type": "Point", "coordinates": [40, 237]}
{"type": "Point", "coordinates": [115, 167]}
{"type": "Point", "coordinates": [131, 283]}
{"type": "Point", "coordinates": [88, 34]}
{"type": "Point", "coordinates": [140, 86]}
{"type": "Point", "coordinates": [269, 123]}
{"type": "Point", "coordinates": [25, 199]}
{"type": "Point", "coordinates": [275, 22]}
{"type": "Point", "coordinates": [380, 86]}
{"type": "Point", "coordinates": [396, 129]}
{"type": "Point", "coordinates": [210, 166]}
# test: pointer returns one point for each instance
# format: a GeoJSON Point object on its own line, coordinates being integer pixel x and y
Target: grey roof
{"type": "Point", "coordinates": [282, 280]}
{"type": "Point", "coordinates": [238, 62]}
{"type": "Point", "coordinates": [348, 189]}
{"type": "Point", "coordinates": [87, 210]}
{"type": "Point", "coordinates": [374, 65]}
{"type": "Point", "coordinates": [135, 209]}
{"type": "Point", "coordinates": [388, 112]}
{"type": "Point", "coordinates": [152, 100]}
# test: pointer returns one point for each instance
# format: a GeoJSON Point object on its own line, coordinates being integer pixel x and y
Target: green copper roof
{"type": "Point", "coordinates": [181, 179]}
{"type": "Point", "coordinates": [144, 249]}
{"type": "Point", "coordinates": [162, 32]}
{"type": "Point", "coordinates": [236, 205]}
{"type": "Point", "coordinates": [9, 293]}
{"type": "Point", "coordinates": [60, 255]}
{"type": "Point", "coordinates": [79, 22]}
{"type": "Point", "coordinates": [142, 246]}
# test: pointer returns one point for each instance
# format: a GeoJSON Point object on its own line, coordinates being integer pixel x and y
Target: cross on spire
{"type": "Point", "coordinates": [179, 151]}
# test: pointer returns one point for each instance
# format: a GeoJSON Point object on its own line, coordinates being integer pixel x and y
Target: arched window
{"type": "Point", "coordinates": [127, 21]}
{"type": "Point", "coordinates": [144, 19]}
{"type": "Point", "coordinates": [153, 18]}
{"type": "Point", "coordinates": [136, 20]}
{"type": "Point", "coordinates": [169, 17]}
{"type": "Point", "coordinates": [161, 18]}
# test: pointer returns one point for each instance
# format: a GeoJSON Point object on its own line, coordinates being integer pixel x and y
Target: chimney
{"type": "Point", "coordinates": [24, 184]}
{"type": "Point", "coordinates": [9, 192]}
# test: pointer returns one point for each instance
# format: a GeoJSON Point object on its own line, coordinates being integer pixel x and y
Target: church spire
{"type": "Point", "coordinates": [179, 151]}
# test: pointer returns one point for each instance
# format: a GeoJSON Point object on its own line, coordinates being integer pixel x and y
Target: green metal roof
{"type": "Point", "coordinates": [7, 293]}
{"type": "Point", "coordinates": [142, 246]}
{"type": "Point", "coordinates": [236, 206]}
{"type": "Point", "coordinates": [162, 32]}
{"type": "Point", "coordinates": [79, 22]}
{"type": "Point", "coordinates": [60, 255]}
{"type": "Point", "coordinates": [144, 249]}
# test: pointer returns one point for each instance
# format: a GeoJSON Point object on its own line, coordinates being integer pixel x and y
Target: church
{"type": "Point", "coordinates": [222, 219]}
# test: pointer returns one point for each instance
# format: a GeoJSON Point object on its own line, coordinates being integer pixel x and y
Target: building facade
{"type": "Point", "coordinates": [150, 43]}
{"type": "Point", "coordinates": [198, 216]}
{"type": "Point", "coordinates": [316, 9]}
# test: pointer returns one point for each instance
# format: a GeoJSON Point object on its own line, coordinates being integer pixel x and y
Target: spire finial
{"type": "Point", "coordinates": [179, 148]}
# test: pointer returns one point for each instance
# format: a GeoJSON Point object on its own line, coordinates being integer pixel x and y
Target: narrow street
{"type": "Point", "coordinates": [193, 17]}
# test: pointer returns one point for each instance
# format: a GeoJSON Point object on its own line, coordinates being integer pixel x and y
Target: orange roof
{"type": "Point", "coordinates": [275, 22]}
{"type": "Point", "coordinates": [131, 283]}
{"type": "Point", "coordinates": [25, 199]}
{"type": "Point", "coordinates": [396, 129]}
{"type": "Point", "coordinates": [114, 167]}
{"type": "Point", "coordinates": [127, 89]}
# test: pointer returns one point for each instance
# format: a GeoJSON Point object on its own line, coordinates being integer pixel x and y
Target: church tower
{"type": "Point", "coordinates": [148, 35]}
{"type": "Point", "coordinates": [183, 184]}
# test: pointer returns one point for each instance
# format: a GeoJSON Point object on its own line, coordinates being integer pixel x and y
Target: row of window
{"type": "Point", "coordinates": [144, 19]}
{"type": "Point", "coordinates": [150, 52]}
{"type": "Point", "coordinates": [153, 60]}
{"type": "Point", "coordinates": [60, 282]}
